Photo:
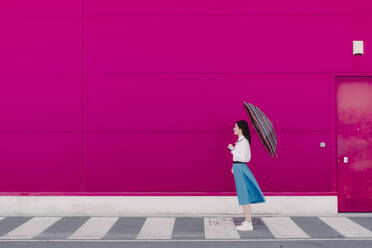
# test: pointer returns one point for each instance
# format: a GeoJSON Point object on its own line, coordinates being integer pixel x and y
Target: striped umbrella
{"type": "Point", "coordinates": [263, 126]}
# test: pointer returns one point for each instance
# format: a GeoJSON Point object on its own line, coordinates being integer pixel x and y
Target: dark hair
{"type": "Point", "coordinates": [243, 125]}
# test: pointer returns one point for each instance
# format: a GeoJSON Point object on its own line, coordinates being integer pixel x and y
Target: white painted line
{"type": "Point", "coordinates": [157, 228]}
{"type": "Point", "coordinates": [180, 240]}
{"type": "Point", "coordinates": [284, 227]}
{"type": "Point", "coordinates": [94, 228]}
{"type": "Point", "coordinates": [220, 228]}
{"type": "Point", "coordinates": [347, 227]}
{"type": "Point", "coordinates": [31, 228]}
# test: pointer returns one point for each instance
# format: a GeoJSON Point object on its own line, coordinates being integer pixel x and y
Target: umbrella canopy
{"type": "Point", "coordinates": [263, 126]}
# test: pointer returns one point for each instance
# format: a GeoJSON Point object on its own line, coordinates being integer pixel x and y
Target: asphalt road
{"type": "Point", "coordinates": [214, 232]}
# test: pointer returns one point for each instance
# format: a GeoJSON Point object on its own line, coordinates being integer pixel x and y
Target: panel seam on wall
{"type": "Point", "coordinates": [82, 95]}
{"type": "Point", "coordinates": [233, 15]}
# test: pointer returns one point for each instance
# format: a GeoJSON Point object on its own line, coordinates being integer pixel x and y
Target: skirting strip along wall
{"type": "Point", "coordinates": [161, 205]}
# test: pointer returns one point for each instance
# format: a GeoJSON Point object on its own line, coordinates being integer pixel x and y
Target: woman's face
{"type": "Point", "coordinates": [237, 130]}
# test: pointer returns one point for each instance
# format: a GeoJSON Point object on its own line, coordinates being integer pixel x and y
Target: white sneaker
{"type": "Point", "coordinates": [245, 226]}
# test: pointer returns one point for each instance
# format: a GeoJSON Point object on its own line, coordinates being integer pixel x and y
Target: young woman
{"type": "Point", "coordinates": [246, 185]}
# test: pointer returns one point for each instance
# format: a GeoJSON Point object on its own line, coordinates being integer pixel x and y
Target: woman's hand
{"type": "Point", "coordinates": [230, 146]}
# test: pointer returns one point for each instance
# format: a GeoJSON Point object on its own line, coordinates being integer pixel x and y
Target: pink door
{"type": "Point", "coordinates": [354, 143]}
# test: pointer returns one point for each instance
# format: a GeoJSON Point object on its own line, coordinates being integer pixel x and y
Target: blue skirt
{"type": "Point", "coordinates": [247, 188]}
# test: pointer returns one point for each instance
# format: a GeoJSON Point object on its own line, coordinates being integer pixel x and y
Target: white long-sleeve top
{"type": "Point", "coordinates": [242, 150]}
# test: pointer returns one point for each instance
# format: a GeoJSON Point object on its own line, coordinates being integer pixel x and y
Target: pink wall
{"type": "Point", "coordinates": [141, 96]}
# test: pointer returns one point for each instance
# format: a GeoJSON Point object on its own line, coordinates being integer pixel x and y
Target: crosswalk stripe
{"type": "Point", "coordinates": [284, 227]}
{"type": "Point", "coordinates": [347, 227]}
{"type": "Point", "coordinates": [31, 228]}
{"type": "Point", "coordinates": [94, 228]}
{"type": "Point", "coordinates": [220, 228]}
{"type": "Point", "coordinates": [157, 228]}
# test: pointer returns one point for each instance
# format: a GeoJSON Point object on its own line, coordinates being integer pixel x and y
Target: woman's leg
{"type": "Point", "coordinates": [247, 212]}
